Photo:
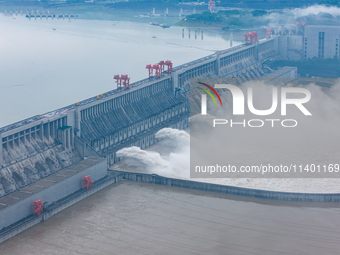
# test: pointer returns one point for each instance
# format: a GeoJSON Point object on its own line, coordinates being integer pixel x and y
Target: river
{"type": "Point", "coordinates": [42, 69]}
{"type": "Point", "coordinates": [137, 218]}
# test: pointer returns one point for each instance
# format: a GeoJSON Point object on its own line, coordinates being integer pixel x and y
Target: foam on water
{"type": "Point", "coordinates": [177, 137]}
{"type": "Point", "coordinates": [176, 164]}
{"type": "Point", "coordinates": [138, 157]}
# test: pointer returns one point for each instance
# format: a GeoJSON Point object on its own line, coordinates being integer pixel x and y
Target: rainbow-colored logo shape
{"type": "Point", "coordinates": [209, 93]}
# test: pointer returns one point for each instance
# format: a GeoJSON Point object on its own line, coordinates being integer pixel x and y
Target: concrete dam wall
{"type": "Point", "coordinates": [131, 125]}
{"type": "Point", "coordinates": [27, 162]}
{"type": "Point", "coordinates": [18, 205]}
{"type": "Point", "coordinates": [100, 126]}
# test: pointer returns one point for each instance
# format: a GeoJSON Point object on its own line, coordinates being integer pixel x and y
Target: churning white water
{"type": "Point", "coordinates": [172, 164]}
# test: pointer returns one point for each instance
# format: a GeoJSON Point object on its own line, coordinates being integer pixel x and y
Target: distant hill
{"type": "Point", "coordinates": [255, 4]}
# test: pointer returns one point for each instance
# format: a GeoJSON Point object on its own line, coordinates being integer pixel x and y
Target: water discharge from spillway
{"type": "Point", "coordinates": [175, 164]}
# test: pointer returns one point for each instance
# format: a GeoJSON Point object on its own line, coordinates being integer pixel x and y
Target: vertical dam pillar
{"type": "Point", "coordinates": [64, 136]}
{"type": "Point", "coordinates": [48, 130]}
{"type": "Point", "coordinates": [1, 153]}
{"type": "Point", "coordinates": [174, 79]}
{"type": "Point", "coordinates": [276, 44]}
{"type": "Point", "coordinates": [77, 118]}
{"type": "Point", "coordinates": [41, 133]}
{"type": "Point", "coordinates": [218, 64]}
{"type": "Point", "coordinates": [256, 53]}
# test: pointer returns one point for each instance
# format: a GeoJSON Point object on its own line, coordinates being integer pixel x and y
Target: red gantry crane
{"type": "Point", "coordinates": [124, 79]}
{"type": "Point", "coordinates": [169, 65]}
{"type": "Point", "coordinates": [149, 67]}
{"type": "Point", "coordinates": [159, 68]}
{"type": "Point", "coordinates": [161, 65]}
{"type": "Point", "coordinates": [252, 37]}
{"type": "Point", "coordinates": [254, 34]}
{"type": "Point", "coordinates": [245, 38]}
{"type": "Point", "coordinates": [118, 80]}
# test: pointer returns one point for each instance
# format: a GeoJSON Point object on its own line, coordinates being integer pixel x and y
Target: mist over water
{"type": "Point", "coordinates": [316, 9]}
{"type": "Point", "coordinates": [146, 159]}
{"type": "Point", "coordinates": [174, 161]}
{"type": "Point", "coordinates": [173, 137]}
{"type": "Point", "coordinates": [312, 15]}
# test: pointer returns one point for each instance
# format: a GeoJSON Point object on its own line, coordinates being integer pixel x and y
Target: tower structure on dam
{"type": "Point", "coordinates": [100, 126]}
{"type": "Point", "coordinates": [321, 42]}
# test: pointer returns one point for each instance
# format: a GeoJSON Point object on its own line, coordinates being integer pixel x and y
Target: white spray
{"type": "Point", "coordinates": [176, 164]}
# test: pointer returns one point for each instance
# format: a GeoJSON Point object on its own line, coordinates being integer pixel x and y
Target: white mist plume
{"type": "Point", "coordinates": [316, 9]}
{"type": "Point", "coordinates": [312, 15]}
{"type": "Point", "coordinates": [176, 164]}
{"type": "Point", "coordinates": [174, 137]}
{"type": "Point", "coordinates": [137, 157]}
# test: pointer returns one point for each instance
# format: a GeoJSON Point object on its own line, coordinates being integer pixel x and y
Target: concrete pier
{"type": "Point", "coordinates": [18, 205]}
{"type": "Point", "coordinates": [80, 194]}
{"type": "Point", "coordinates": [1, 153]}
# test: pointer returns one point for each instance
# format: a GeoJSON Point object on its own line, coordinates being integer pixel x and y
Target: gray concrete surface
{"type": "Point", "coordinates": [51, 189]}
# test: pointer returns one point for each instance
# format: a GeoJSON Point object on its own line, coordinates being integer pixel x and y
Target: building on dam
{"type": "Point", "coordinates": [321, 42]}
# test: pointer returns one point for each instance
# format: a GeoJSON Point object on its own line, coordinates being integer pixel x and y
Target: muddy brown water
{"type": "Point", "coordinates": [138, 218]}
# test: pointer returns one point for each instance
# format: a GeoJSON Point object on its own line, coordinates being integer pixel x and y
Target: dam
{"type": "Point", "coordinates": [119, 118]}
{"type": "Point", "coordinates": [49, 145]}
